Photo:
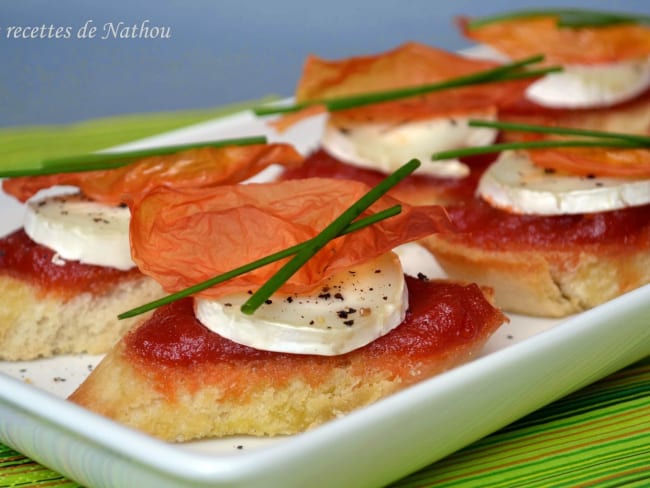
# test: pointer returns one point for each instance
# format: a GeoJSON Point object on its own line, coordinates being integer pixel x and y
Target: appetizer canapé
{"type": "Point", "coordinates": [68, 273]}
{"type": "Point", "coordinates": [345, 330]}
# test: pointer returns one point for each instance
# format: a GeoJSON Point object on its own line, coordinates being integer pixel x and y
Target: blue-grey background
{"type": "Point", "coordinates": [219, 52]}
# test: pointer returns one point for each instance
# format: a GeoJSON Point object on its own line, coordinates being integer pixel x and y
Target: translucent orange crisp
{"type": "Point", "coordinates": [186, 236]}
{"type": "Point", "coordinates": [409, 65]}
{"type": "Point", "coordinates": [194, 167]}
{"type": "Point", "coordinates": [596, 161]}
{"type": "Point", "coordinates": [522, 37]}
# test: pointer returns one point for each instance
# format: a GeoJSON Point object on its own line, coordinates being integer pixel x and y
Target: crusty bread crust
{"type": "Point", "coordinates": [271, 404]}
{"type": "Point", "coordinates": [548, 283]}
{"type": "Point", "coordinates": [34, 323]}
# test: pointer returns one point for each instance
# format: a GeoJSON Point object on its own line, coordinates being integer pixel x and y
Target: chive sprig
{"type": "Point", "coordinates": [506, 72]}
{"type": "Point", "coordinates": [326, 235]}
{"type": "Point", "coordinates": [568, 18]}
{"type": "Point", "coordinates": [571, 131]}
{"type": "Point", "coordinates": [590, 138]}
{"type": "Point", "coordinates": [112, 160]}
{"type": "Point", "coordinates": [302, 252]}
{"type": "Point", "coordinates": [271, 258]}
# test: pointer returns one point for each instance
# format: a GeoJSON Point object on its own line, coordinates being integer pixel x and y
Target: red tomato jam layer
{"type": "Point", "coordinates": [321, 164]}
{"type": "Point", "coordinates": [479, 224]}
{"type": "Point", "coordinates": [24, 259]}
{"type": "Point", "coordinates": [442, 317]}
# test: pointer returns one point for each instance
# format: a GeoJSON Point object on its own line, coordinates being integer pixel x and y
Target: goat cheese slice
{"type": "Point", "coordinates": [353, 308]}
{"type": "Point", "coordinates": [513, 183]}
{"type": "Point", "coordinates": [590, 86]}
{"type": "Point", "coordinates": [385, 147]}
{"type": "Point", "coordinates": [79, 229]}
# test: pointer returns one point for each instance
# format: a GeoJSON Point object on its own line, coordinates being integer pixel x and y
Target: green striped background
{"type": "Point", "coordinates": [598, 436]}
{"type": "Point", "coordinates": [22, 147]}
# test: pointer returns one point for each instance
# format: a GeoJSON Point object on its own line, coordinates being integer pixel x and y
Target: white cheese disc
{"type": "Point", "coordinates": [79, 229]}
{"type": "Point", "coordinates": [385, 147]}
{"type": "Point", "coordinates": [590, 86]}
{"type": "Point", "coordinates": [353, 308]}
{"type": "Point", "coordinates": [515, 184]}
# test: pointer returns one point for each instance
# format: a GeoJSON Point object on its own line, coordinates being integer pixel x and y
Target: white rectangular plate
{"type": "Point", "coordinates": [528, 363]}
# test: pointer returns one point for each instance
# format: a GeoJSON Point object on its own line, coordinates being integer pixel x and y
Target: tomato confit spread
{"type": "Point", "coordinates": [24, 259]}
{"type": "Point", "coordinates": [482, 225]}
{"type": "Point", "coordinates": [322, 164]}
{"type": "Point", "coordinates": [442, 316]}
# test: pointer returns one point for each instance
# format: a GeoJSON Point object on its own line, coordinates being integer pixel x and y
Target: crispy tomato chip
{"type": "Point", "coordinates": [522, 37]}
{"type": "Point", "coordinates": [201, 167]}
{"type": "Point", "coordinates": [185, 236]}
{"type": "Point", "coordinates": [624, 163]}
{"type": "Point", "coordinates": [411, 64]}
